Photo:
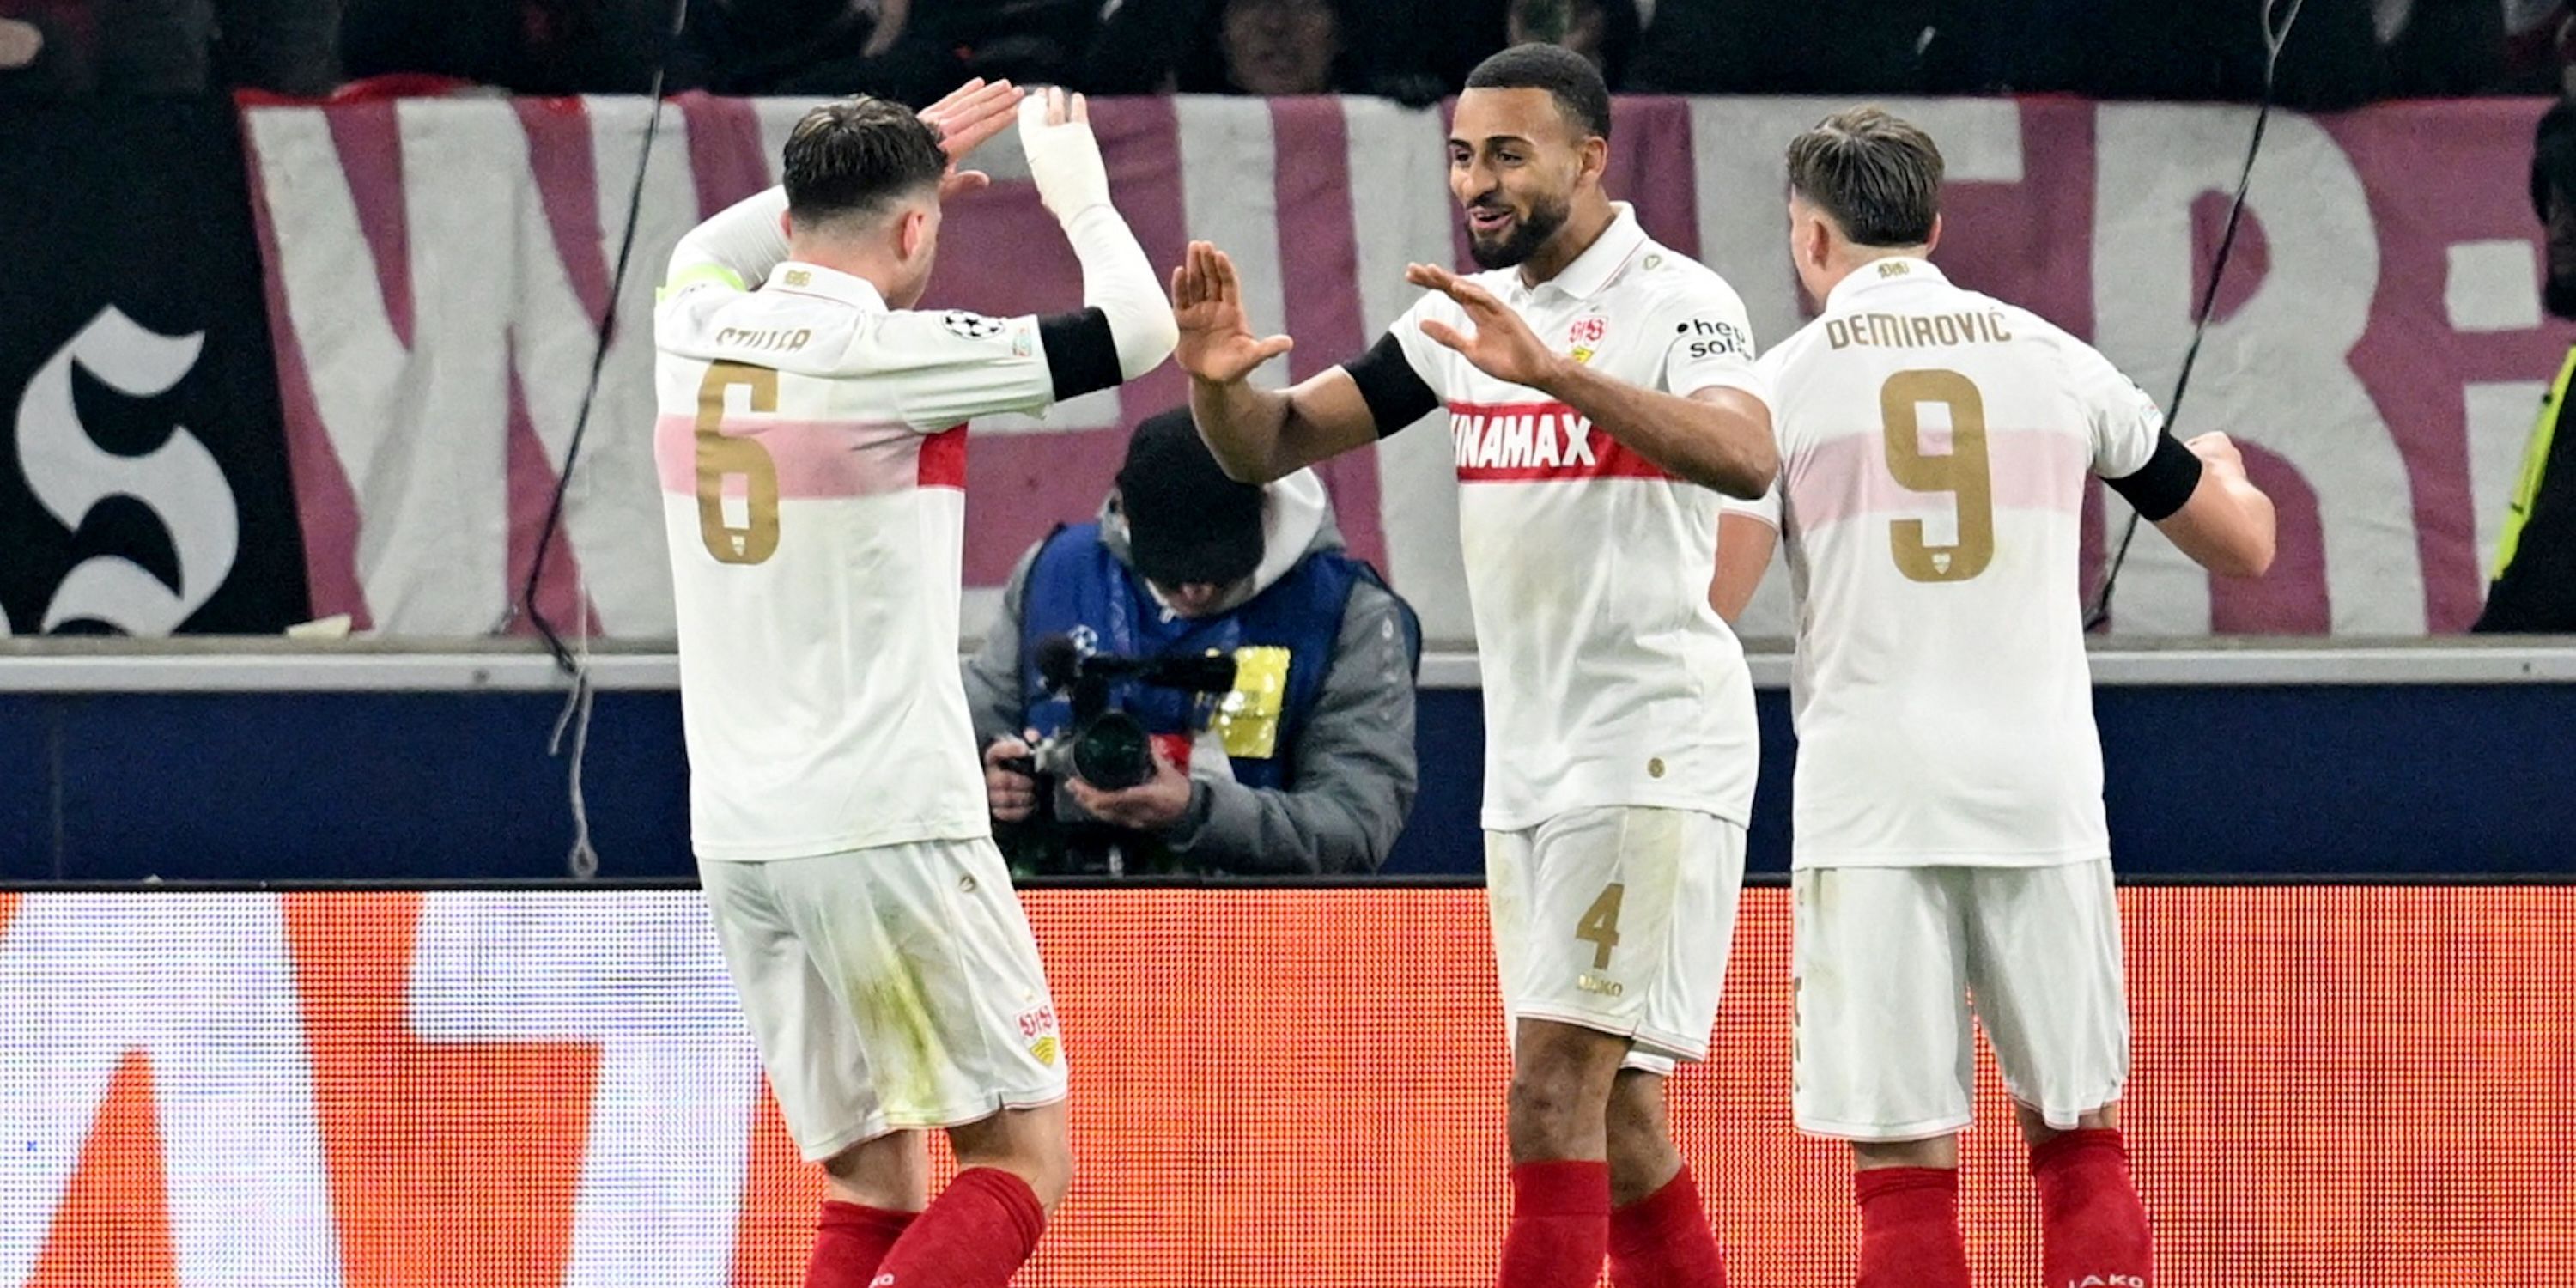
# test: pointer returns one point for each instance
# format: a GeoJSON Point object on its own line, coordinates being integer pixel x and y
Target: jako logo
{"type": "Point", "coordinates": [178, 481]}
{"type": "Point", "coordinates": [2107, 1281]}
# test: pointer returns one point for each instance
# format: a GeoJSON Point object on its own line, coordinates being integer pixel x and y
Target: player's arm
{"type": "Point", "coordinates": [1745, 540]}
{"type": "Point", "coordinates": [1718, 435]}
{"type": "Point", "coordinates": [1262, 434]}
{"type": "Point", "coordinates": [1123, 330]}
{"type": "Point", "coordinates": [2197, 494]}
{"type": "Point", "coordinates": [943, 368]}
{"type": "Point", "coordinates": [735, 249]}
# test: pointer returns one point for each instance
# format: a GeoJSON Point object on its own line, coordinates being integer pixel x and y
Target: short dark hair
{"type": "Point", "coordinates": [1567, 76]}
{"type": "Point", "coordinates": [855, 156]}
{"type": "Point", "coordinates": [1878, 176]}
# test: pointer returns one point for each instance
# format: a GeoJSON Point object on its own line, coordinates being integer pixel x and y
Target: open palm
{"type": "Point", "coordinates": [971, 114]}
{"type": "Point", "coordinates": [1217, 343]}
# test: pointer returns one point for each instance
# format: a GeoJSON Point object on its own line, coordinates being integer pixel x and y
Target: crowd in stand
{"type": "Point", "coordinates": [1415, 51]}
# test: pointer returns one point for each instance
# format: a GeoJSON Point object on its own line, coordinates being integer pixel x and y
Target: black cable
{"type": "Point", "coordinates": [2273, 39]}
{"type": "Point", "coordinates": [599, 356]}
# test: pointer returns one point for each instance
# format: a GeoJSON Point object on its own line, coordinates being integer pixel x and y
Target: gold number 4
{"type": "Point", "coordinates": [1962, 472]}
{"type": "Point", "coordinates": [1600, 924]}
{"type": "Point", "coordinates": [721, 457]}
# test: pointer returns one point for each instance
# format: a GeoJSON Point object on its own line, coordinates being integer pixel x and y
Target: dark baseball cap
{"type": "Point", "coordinates": [1186, 521]}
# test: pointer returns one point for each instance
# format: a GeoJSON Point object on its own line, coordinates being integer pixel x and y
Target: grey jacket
{"type": "Point", "coordinates": [1353, 776]}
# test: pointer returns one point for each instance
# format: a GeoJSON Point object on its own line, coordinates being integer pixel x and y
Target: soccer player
{"type": "Point", "coordinates": [811, 449]}
{"type": "Point", "coordinates": [1601, 394]}
{"type": "Point", "coordinates": [1934, 446]}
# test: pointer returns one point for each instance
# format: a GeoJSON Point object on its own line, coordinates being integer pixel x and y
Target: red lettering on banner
{"type": "Point", "coordinates": [416, 1133]}
{"type": "Point", "coordinates": [1538, 443]}
{"type": "Point", "coordinates": [113, 1224]}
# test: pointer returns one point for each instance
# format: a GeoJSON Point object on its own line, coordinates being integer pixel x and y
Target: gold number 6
{"type": "Point", "coordinates": [721, 457]}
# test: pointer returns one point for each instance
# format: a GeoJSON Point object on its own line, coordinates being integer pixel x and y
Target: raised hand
{"type": "Point", "coordinates": [1502, 346]}
{"type": "Point", "coordinates": [1217, 343]}
{"type": "Point", "coordinates": [1064, 157]}
{"type": "Point", "coordinates": [2217, 449]}
{"type": "Point", "coordinates": [971, 114]}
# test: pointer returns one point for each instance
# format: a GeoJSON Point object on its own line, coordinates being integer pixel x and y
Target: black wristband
{"type": "Point", "coordinates": [1081, 352]}
{"type": "Point", "coordinates": [2164, 484]}
{"type": "Point", "coordinates": [1394, 391]}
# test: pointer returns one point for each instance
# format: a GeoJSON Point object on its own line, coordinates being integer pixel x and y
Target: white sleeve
{"type": "Point", "coordinates": [1427, 357]}
{"type": "Point", "coordinates": [1708, 342]}
{"type": "Point", "coordinates": [1766, 507]}
{"type": "Point", "coordinates": [940, 369]}
{"type": "Point", "coordinates": [1119, 281]}
{"type": "Point", "coordinates": [735, 249]}
{"type": "Point", "coordinates": [2124, 422]}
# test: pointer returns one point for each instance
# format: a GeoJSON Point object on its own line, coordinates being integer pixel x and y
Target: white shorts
{"type": "Point", "coordinates": [889, 988]}
{"type": "Point", "coordinates": [1886, 962]}
{"type": "Point", "coordinates": [1617, 919]}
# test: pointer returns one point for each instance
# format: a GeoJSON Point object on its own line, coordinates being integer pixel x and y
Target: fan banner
{"type": "Point", "coordinates": [437, 270]}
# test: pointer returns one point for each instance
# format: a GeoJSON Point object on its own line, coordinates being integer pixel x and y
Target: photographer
{"type": "Point", "coordinates": [1305, 765]}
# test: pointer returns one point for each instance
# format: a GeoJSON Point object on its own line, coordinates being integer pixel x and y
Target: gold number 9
{"type": "Point", "coordinates": [1962, 471]}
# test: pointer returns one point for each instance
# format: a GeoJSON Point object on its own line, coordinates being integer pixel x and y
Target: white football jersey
{"type": "Point", "coordinates": [1934, 447]}
{"type": "Point", "coordinates": [812, 455]}
{"type": "Point", "coordinates": [1608, 679]}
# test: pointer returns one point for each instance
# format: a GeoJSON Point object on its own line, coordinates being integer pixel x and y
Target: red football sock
{"type": "Point", "coordinates": [1663, 1241]}
{"type": "Point", "coordinates": [1909, 1228]}
{"type": "Point", "coordinates": [849, 1241]}
{"type": "Point", "coordinates": [975, 1235]}
{"type": "Point", "coordinates": [2091, 1223]}
{"type": "Point", "coordinates": [1560, 1225]}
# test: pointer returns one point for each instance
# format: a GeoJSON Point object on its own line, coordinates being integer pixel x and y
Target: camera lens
{"type": "Point", "coordinates": [1112, 752]}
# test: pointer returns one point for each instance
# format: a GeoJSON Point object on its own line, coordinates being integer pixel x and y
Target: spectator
{"type": "Point", "coordinates": [168, 48]}
{"type": "Point", "coordinates": [1273, 47]}
{"type": "Point", "coordinates": [526, 46]}
{"type": "Point", "coordinates": [2535, 580]}
{"type": "Point", "coordinates": [1603, 31]}
{"type": "Point", "coordinates": [1315, 777]}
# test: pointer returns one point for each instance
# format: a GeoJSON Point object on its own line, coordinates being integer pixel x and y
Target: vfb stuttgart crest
{"type": "Point", "coordinates": [1588, 331]}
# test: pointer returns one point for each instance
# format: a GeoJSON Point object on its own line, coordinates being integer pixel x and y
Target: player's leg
{"type": "Point", "coordinates": [1556, 1117]}
{"type": "Point", "coordinates": [1659, 1232]}
{"type": "Point", "coordinates": [872, 1192]}
{"type": "Point", "coordinates": [1013, 1168]}
{"type": "Point", "coordinates": [877, 1179]}
{"type": "Point", "coordinates": [939, 969]}
{"type": "Point", "coordinates": [1883, 1056]}
{"type": "Point", "coordinates": [2045, 961]}
{"type": "Point", "coordinates": [1560, 1203]}
{"type": "Point", "coordinates": [1586, 923]}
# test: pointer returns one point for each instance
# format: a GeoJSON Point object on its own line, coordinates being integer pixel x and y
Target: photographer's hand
{"type": "Point", "coordinates": [1156, 805]}
{"type": "Point", "coordinates": [1008, 793]}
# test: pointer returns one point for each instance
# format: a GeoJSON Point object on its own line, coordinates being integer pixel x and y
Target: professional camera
{"type": "Point", "coordinates": [1105, 746]}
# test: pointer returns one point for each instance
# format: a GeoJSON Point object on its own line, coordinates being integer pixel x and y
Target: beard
{"type": "Point", "coordinates": [1530, 230]}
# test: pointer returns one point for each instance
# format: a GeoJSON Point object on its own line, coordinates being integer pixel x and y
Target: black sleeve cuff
{"type": "Point", "coordinates": [1393, 390]}
{"type": "Point", "coordinates": [1081, 353]}
{"type": "Point", "coordinates": [2164, 484]}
